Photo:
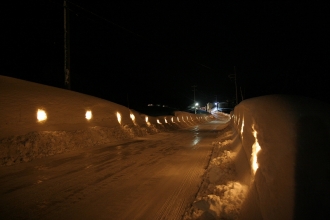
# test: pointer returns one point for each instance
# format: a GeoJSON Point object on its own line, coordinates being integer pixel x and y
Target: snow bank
{"type": "Point", "coordinates": [23, 137]}
{"type": "Point", "coordinates": [290, 178]}
{"type": "Point", "coordinates": [221, 195]}
{"type": "Point", "coordinates": [271, 163]}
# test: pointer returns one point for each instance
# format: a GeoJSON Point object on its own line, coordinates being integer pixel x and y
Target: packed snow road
{"type": "Point", "coordinates": [155, 177]}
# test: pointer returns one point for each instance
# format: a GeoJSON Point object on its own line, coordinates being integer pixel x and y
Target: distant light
{"type": "Point", "coordinates": [41, 115]}
{"type": "Point", "coordinates": [172, 120]}
{"type": "Point", "coordinates": [88, 115]}
{"type": "Point", "coordinates": [158, 121]}
{"type": "Point", "coordinates": [178, 119]}
{"type": "Point", "coordinates": [119, 117]}
{"type": "Point", "coordinates": [165, 120]}
{"type": "Point", "coordinates": [196, 104]}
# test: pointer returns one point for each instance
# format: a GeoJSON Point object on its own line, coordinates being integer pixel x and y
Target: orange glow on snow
{"type": "Point", "coordinates": [88, 115]}
{"type": "Point", "coordinates": [147, 121]}
{"type": "Point", "coordinates": [41, 115]}
{"type": "Point", "coordinates": [255, 149]}
{"type": "Point", "coordinates": [132, 117]}
{"type": "Point", "coordinates": [242, 128]}
{"type": "Point", "coordinates": [119, 117]}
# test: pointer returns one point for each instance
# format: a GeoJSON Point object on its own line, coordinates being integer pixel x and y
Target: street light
{"type": "Point", "coordinates": [196, 106]}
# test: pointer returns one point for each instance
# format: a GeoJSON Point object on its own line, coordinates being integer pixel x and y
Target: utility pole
{"type": "Point", "coordinates": [194, 97]}
{"type": "Point", "coordinates": [67, 78]}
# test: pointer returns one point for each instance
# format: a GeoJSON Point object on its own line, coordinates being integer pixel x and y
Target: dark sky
{"type": "Point", "coordinates": [141, 52]}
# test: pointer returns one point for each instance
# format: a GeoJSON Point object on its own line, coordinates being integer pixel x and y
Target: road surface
{"type": "Point", "coordinates": [154, 177]}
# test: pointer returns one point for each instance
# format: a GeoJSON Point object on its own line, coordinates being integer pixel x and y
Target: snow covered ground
{"type": "Point", "coordinates": [272, 162]}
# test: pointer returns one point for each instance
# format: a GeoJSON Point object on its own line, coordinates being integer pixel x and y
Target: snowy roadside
{"type": "Point", "coordinates": [39, 121]}
{"type": "Point", "coordinates": [220, 195]}
{"type": "Point", "coordinates": [24, 148]}
{"type": "Point", "coordinates": [39, 144]}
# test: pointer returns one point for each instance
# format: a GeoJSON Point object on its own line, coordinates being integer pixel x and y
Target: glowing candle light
{"type": "Point", "coordinates": [132, 117]}
{"type": "Point", "coordinates": [88, 115]}
{"type": "Point", "coordinates": [119, 117]}
{"type": "Point", "coordinates": [41, 115]}
{"type": "Point", "coordinates": [242, 128]}
{"type": "Point", "coordinates": [147, 121]}
{"type": "Point", "coordinates": [255, 149]}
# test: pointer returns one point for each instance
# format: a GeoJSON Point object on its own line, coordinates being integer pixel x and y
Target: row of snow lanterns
{"type": "Point", "coordinates": [158, 121]}
{"type": "Point", "coordinates": [172, 119]}
{"type": "Point", "coordinates": [42, 116]}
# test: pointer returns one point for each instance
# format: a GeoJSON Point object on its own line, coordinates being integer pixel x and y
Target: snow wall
{"type": "Point", "coordinates": [293, 175]}
{"type": "Point", "coordinates": [23, 137]}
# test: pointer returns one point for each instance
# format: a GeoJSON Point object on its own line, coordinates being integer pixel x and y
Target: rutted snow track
{"type": "Point", "coordinates": [156, 177]}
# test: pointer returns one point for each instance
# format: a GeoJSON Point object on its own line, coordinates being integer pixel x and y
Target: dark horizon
{"type": "Point", "coordinates": [137, 53]}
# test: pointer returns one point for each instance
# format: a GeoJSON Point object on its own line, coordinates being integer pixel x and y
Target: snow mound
{"type": "Point", "coordinates": [73, 120]}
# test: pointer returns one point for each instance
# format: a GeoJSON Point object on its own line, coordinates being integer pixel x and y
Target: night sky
{"type": "Point", "coordinates": [135, 53]}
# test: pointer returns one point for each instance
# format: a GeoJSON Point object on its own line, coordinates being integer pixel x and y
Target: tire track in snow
{"type": "Point", "coordinates": [179, 196]}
